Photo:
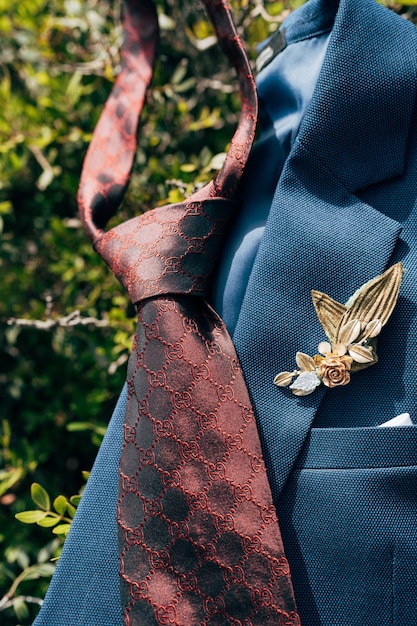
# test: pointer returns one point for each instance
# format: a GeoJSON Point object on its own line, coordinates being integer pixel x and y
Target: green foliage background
{"type": "Point", "coordinates": [58, 384]}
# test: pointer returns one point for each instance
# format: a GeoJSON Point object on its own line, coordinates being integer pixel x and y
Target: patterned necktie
{"type": "Point", "coordinates": [198, 534]}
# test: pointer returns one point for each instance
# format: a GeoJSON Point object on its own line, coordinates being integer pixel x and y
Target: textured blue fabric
{"type": "Point", "coordinates": [330, 202]}
{"type": "Point", "coordinates": [350, 534]}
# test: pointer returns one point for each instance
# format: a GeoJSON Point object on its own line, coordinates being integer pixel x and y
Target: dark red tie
{"type": "Point", "coordinates": [199, 538]}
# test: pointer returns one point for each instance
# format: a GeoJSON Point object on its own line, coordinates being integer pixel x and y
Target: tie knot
{"type": "Point", "coordinates": [170, 250]}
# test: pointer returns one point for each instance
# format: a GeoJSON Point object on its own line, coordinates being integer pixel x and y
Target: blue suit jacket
{"type": "Point", "coordinates": [330, 203]}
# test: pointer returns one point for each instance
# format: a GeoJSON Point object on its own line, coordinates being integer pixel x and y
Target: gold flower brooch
{"type": "Point", "coordinates": [351, 328]}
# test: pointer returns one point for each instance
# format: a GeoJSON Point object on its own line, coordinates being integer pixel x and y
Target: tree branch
{"type": "Point", "coordinates": [72, 319]}
{"type": "Point", "coordinates": [6, 602]}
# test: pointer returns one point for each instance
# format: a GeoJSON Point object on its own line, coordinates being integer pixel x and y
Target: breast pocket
{"type": "Point", "coordinates": [348, 516]}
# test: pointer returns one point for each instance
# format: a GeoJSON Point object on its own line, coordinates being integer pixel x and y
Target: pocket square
{"type": "Point", "coordinates": [401, 420]}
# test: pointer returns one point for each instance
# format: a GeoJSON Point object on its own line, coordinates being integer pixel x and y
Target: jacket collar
{"type": "Point", "coordinates": [370, 67]}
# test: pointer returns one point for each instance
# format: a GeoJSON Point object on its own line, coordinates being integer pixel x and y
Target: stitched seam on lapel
{"type": "Point", "coordinates": [300, 146]}
{"type": "Point", "coordinates": [319, 20]}
{"type": "Point", "coordinates": [325, 165]}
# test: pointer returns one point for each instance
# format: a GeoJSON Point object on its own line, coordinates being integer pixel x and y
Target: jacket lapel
{"type": "Point", "coordinates": [319, 235]}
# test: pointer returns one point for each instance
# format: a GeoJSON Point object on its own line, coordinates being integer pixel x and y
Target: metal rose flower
{"type": "Point", "coordinates": [334, 371]}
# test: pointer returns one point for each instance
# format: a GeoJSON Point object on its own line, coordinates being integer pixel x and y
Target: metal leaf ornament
{"type": "Point", "coordinates": [351, 329]}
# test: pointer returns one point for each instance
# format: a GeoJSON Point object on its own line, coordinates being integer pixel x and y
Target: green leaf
{"type": "Point", "coordinates": [40, 496]}
{"type": "Point", "coordinates": [62, 529]}
{"type": "Point", "coordinates": [74, 427]}
{"type": "Point", "coordinates": [45, 553]}
{"type": "Point", "coordinates": [74, 89]}
{"type": "Point", "coordinates": [8, 479]}
{"type": "Point", "coordinates": [75, 500]}
{"type": "Point", "coordinates": [42, 570]}
{"type": "Point", "coordinates": [45, 179]}
{"type": "Point", "coordinates": [179, 73]}
{"type": "Point", "coordinates": [22, 559]}
{"type": "Point", "coordinates": [20, 608]}
{"type": "Point", "coordinates": [6, 207]}
{"type": "Point", "coordinates": [48, 522]}
{"type": "Point", "coordinates": [30, 517]}
{"type": "Point", "coordinates": [188, 168]}
{"type": "Point", "coordinates": [60, 505]}
{"type": "Point", "coordinates": [45, 569]}
{"type": "Point", "coordinates": [6, 572]}
{"type": "Point", "coordinates": [71, 511]}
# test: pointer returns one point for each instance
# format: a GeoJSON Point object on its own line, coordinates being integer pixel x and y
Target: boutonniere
{"type": "Point", "coordinates": [351, 329]}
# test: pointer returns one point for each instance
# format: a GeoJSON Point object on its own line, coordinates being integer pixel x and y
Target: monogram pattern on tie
{"type": "Point", "coordinates": [199, 526]}
{"type": "Point", "coordinates": [199, 540]}
{"type": "Point", "coordinates": [109, 159]}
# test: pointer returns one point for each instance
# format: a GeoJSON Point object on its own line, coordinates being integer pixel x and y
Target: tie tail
{"type": "Point", "coordinates": [110, 156]}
